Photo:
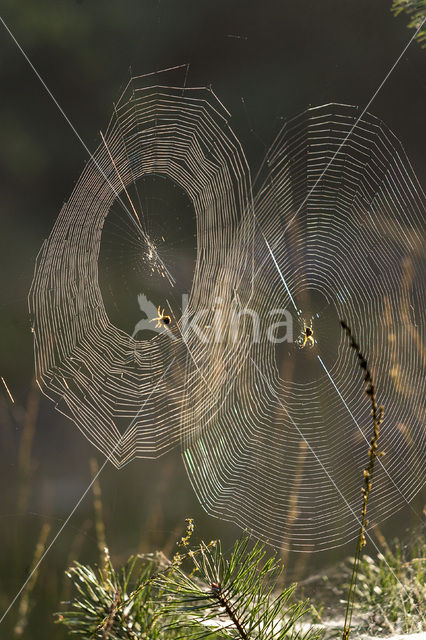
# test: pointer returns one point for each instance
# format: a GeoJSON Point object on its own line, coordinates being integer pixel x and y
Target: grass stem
{"type": "Point", "coordinates": [373, 453]}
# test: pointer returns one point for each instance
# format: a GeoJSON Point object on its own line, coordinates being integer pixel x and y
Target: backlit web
{"type": "Point", "coordinates": [273, 425]}
{"type": "Point", "coordinates": [128, 395]}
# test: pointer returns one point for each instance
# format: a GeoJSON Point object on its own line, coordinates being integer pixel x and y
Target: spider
{"type": "Point", "coordinates": [308, 336]}
{"type": "Point", "coordinates": [162, 319]}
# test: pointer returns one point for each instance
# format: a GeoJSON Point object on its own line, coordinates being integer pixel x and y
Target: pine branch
{"type": "Point", "coordinates": [113, 605]}
{"type": "Point", "coordinates": [416, 10]}
{"type": "Point", "coordinates": [235, 598]}
{"type": "Point", "coordinates": [154, 598]}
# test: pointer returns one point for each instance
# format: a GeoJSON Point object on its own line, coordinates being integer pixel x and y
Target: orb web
{"type": "Point", "coordinates": [128, 395]}
{"type": "Point", "coordinates": [273, 427]}
{"type": "Point", "coordinates": [329, 242]}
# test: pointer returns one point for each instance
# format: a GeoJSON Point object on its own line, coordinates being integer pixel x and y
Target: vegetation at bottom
{"type": "Point", "coordinates": [391, 593]}
{"type": "Point", "coordinates": [204, 593]}
{"type": "Point", "coordinates": [198, 594]}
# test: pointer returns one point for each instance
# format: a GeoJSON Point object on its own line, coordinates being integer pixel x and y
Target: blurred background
{"type": "Point", "coordinates": [265, 61]}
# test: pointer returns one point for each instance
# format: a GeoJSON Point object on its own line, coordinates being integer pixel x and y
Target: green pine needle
{"type": "Point", "coordinates": [416, 10]}
{"type": "Point", "coordinates": [234, 598]}
{"type": "Point", "coordinates": [213, 597]}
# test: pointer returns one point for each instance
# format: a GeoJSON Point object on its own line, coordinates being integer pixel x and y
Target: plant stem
{"type": "Point", "coordinates": [218, 594]}
{"type": "Point", "coordinates": [377, 418]}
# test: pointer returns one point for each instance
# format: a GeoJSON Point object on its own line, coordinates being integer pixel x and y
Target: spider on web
{"type": "Point", "coordinates": [162, 318]}
{"type": "Point", "coordinates": [307, 337]}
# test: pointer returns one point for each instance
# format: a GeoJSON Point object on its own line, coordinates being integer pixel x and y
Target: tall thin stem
{"type": "Point", "coordinates": [377, 418]}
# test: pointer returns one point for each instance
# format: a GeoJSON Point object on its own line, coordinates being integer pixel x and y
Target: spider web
{"type": "Point", "coordinates": [273, 434]}
{"type": "Point", "coordinates": [97, 374]}
{"type": "Point", "coordinates": [288, 466]}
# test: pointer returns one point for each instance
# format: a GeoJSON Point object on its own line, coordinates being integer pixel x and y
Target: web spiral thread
{"type": "Point", "coordinates": [273, 434]}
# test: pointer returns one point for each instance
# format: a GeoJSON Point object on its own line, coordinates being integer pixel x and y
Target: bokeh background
{"type": "Point", "coordinates": [266, 61]}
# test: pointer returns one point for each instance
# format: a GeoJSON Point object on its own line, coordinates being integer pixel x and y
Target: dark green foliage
{"type": "Point", "coordinates": [214, 597]}
{"type": "Point", "coordinates": [114, 604]}
{"type": "Point", "coordinates": [238, 598]}
{"type": "Point", "coordinates": [416, 9]}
